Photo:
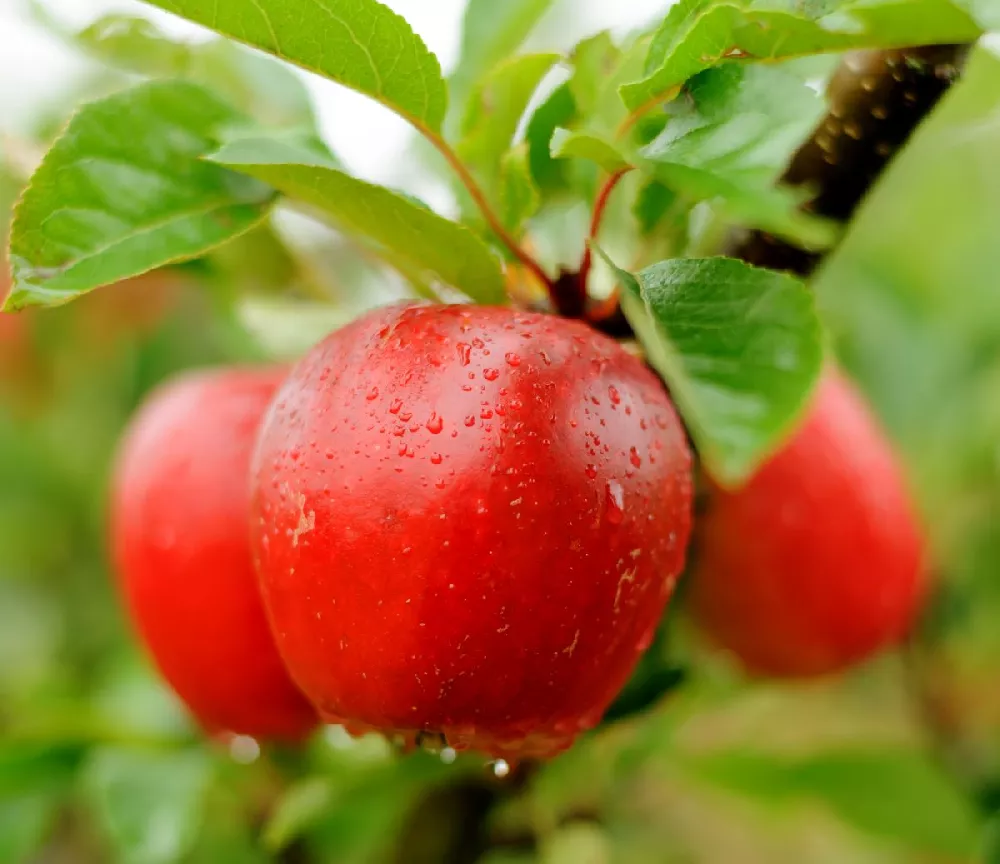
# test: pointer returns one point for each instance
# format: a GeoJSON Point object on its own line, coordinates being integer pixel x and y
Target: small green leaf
{"type": "Point", "coordinates": [148, 804]}
{"type": "Point", "coordinates": [739, 347]}
{"type": "Point", "coordinates": [580, 145]}
{"type": "Point", "coordinates": [519, 196]}
{"type": "Point", "coordinates": [894, 794]}
{"type": "Point", "coordinates": [124, 191]}
{"type": "Point", "coordinates": [698, 34]}
{"type": "Point", "coordinates": [361, 44]}
{"type": "Point", "coordinates": [134, 44]}
{"type": "Point", "coordinates": [557, 110]}
{"type": "Point", "coordinates": [495, 113]}
{"type": "Point", "coordinates": [300, 807]}
{"type": "Point", "coordinates": [419, 237]}
{"type": "Point", "coordinates": [491, 32]}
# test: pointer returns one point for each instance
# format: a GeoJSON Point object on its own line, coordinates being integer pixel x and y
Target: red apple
{"type": "Point", "coordinates": [180, 534]}
{"type": "Point", "coordinates": [816, 563]}
{"type": "Point", "coordinates": [467, 522]}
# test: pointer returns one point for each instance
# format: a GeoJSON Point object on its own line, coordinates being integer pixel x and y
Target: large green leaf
{"type": "Point", "coordinates": [407, 230]}
{"type": "Point", "coordinates": [25, 820]}
{"type": "Point", "coordinates": [361, 44]}
{"type": "Point", "coordinates": [739, 347]}
{"type": "Point", "coordinates": [732, 138]}
{"type": "Point", "coordinates": [697, 34]}
{"type": "Point", "coordinates": [148, 804]}
{"type": "Point", "coordinates": [891, 793]}
{"type": "Point", "coordinates": [124, 190]}
{"type": "Point", "coordinates": [491, 32]}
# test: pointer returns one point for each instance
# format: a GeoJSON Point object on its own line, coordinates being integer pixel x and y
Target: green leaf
{"type": "Point", "coordinates": [899, 795]}
{"type": "Point", "coordinates": [301, 806]}
{"type": "Point", "coordinates": [557, 110]}
{"type": "Point", "coordinates": [361, 44]}
{"type": "Point", "coordinates": [581, 145]}
{"type": "Point", "coordinates": [652, 204]}
{"type": "Point", "coordinates": [731, 140]}
{"type": "Point", "coordinates": [698, 34]}
{"type": "Point", "coordinates": [417, 236]}
{"type": "Point", "coordinates": [491, 32]}
{"type": "Point", "coordinates": [25, 821]}
{"type": "Point", "coordinates": [124, 191]}
{"type": "Point", "coordinates": [739, 347]}
{"type": "Point", "coordinates": [495, 113]}
{"type": "Point", "coordinates": [148, 804]}
{"type": "Point", "coordinates": [519, 196]}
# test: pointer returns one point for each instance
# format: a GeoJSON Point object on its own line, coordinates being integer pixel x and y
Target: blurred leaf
{"type": "Point", "coordinates": [425, 240]}
{"type": "Point", "coordinates": [124, 191]}
{"type": "Point", "coordinates": [519, 196]}
{"type": "Point", "coordinates": [594, 60]}
{"type": "Point", "coordinates": [740, 349]}
{"type": "Point", "coordinates": [491, 33]}
{"type": "Point", "coordinates": [369, 807]}
{"type": "Point", "coordinates": [652, 203]}
{"type": "Point", "coordinates": [286, 328]}
{"type": "Point", "coordinates": [990, 846]}
{"type": "Point", "coordinates": [358, 43]}
{"type": "Point", "coordinates": [25, 821]}
{"type": "Point", "coordinates": [149, 804]}
{"type": "Point", "coordinates": [495, 112]}
{"type": "Point", "coordinates": [986, 12]}
{"type": "Point", "coordinates": [899, 795]}
{"type": "Point", "coordinates": [579, 145]}
{"type": "Point", "coordinates": [259, 85]}
{"type": "Point", "coordinates": [698, 34]}
{"type": "Point", "coordinates": [733, 137]}
{"type": "Point", "coordinates": [556, 110]}
{"type": "Point", "coordinates": [300, 807]}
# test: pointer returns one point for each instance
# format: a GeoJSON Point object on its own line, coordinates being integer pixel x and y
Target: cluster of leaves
{"type": "Point", "coordinates": [172, 168]}
{"type": "Point", "coordinates": [689, 132]}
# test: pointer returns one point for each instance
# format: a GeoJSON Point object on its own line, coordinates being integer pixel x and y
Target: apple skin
{"type": "Point", "coordinates": [180, 537]}
{"type": "Point", "coordinates": [818, 562]}
{"type": "Point", "coordinates": [467, 523]}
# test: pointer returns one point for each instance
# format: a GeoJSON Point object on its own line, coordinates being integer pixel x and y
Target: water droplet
{"type": "Point", "coordinates": [634, 457]}
{"type": "Point", "coordinates": [491, 374]}
{"type": "Point", "coordinates": [512, 359]}
{"type": "Point", "coordinates": [486, 413]}
{"type": "Point", "coordinates": [478, 343]}
{"type": "Point", "coordinates": [501, 768]}
{"type": "Point", "coordinates": [614, 395]}
{"type": "Point", "coordinates": [470, 420]}
{"type": "Point", "coordinates": [464, 353]}
{"type": "Point", "coordinates": [591, 471]}
{"type": "Point", "coordinates": [614, 499]}
{"type": "Point", "coordinates": [405, 416]}
{"type": "Point", "coordinates": [372, 394]}
{"type": "Point", "coordinates": [436, 459]}
{"type": "Point", "coordinates": [434, 424]}
{"type": "Point", "coordinates": [395, 406]}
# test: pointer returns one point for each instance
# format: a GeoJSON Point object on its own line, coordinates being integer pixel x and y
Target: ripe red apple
{"type": "Point", "coordinates": [816, 563]}
{"type": "Point", "coordinates": [467, 521]}
{"type": "Point", "coordinates": [180, 534]}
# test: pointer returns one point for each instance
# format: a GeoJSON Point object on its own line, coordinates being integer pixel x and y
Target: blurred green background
{"type": "Point", "coordinates": [897, 762]}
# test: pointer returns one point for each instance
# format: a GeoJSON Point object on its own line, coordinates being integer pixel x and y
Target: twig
{"type": "Point", "coordinates": [877, 100]}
